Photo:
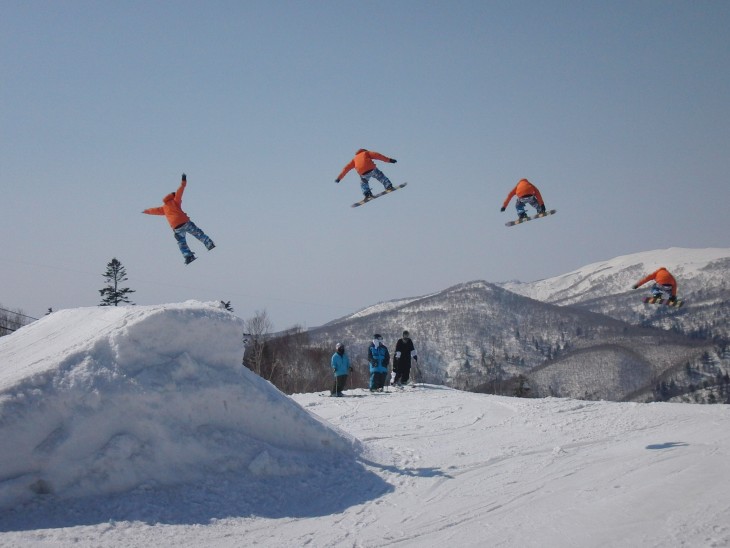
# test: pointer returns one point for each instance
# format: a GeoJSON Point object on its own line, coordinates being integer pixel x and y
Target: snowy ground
{"type": "Point", "coordinates": [434, 466]}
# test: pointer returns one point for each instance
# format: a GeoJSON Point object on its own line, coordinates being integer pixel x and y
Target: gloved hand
{"type": "Point", "coordinates": [502, 209]}
{"type": "Point", "coordinates": [337, 180]}
{"type": "Point", "coordinates": [634, 286]}
{"type": "Point", "coordinates": [184, 177]}
{"type": "Point", "coordinates": [672, 300]}
{"type": "Point", "coordinates": [393, 161]}
{"type": "Point", "coordinates": [542, 208]}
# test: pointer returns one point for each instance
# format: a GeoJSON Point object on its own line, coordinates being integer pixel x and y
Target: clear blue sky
{"type": "Point", "coordinates": [618, 111]}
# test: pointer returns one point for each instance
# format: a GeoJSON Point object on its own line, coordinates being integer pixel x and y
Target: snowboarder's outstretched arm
{"type": "Point", "coordinates": [181, 189]}
{"type": "Point", "coordinates": [154, 211]}
{"type": "Point", "coordinates": [509, 197]}
{"type": "Point", "coordinates": [381, 157]}
{"type": "Point", "coordinates": [345, 171]}
{"type": "Point", "coordinates": [660, 276]}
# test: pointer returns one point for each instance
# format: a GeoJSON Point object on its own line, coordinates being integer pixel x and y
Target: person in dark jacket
{"type": "Point", "coordinates": [379, 359]}
{"type": "Point", "coordinates": [341, 367]}
{"type": "Point", "coordinates": [404, 353]}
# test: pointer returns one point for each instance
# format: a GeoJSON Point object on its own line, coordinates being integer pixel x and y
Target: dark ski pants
{"type": "Point", "coordinates": [403, 373]}
{"type": "Point", "coordinates": [339, 384]}
{"type": "Point", "coordinates": [377, 380]}
{"type": "Point", "coordinates": [190, 227]}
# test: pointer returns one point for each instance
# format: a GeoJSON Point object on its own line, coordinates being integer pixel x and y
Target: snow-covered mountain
{"type": "Point", "coordinates": [477, 337]}
{"type": "Point", "coordinates": [703, 277]}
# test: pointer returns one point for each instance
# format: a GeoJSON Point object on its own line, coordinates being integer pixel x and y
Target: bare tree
{"type": "Point", "coordinates": [254, 338]}
{"type": "Point", "coordinates": [12, 320]}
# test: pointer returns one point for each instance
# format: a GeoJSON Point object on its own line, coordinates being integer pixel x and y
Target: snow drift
{"type": "Point", "coordinates": [106, 399]}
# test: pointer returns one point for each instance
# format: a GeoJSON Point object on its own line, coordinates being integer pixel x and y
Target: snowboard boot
{"type": "Point", "coordinates": [369, 195]}
{"type": "Point", "coordinates": [189, 258]}
{"type": "Point", "coordinates": [210, 246]}
{"type": "Point", "coordinates": [522, 217]}
{"type": "Point", "coordinates": [389, 188]}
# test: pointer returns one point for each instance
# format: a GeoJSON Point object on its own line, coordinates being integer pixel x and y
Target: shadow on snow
{"type": "Point", "coordinates": [324, 488]}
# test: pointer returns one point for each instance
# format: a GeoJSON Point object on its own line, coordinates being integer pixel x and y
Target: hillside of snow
{"type": "Point", "coordinates": [703, 279]}
{"type": "Point", "coordinates": [138, 426]}
{"type": "Point", "coordinates": [617, 275]}
{"type": "Point", "coordinates": [438, 468]}
{"type": "Point", "coordinates": [104, 400]}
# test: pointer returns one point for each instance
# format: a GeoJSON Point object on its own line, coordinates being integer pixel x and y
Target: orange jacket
{"type": "Point", "coordinates": [524, 188]}
{"type": "Point", "coordinates": [363, 162]}
{"type": "Point", "coordinates": [171, 208]}
{"type": "Point", "coordinates": [662, 277]}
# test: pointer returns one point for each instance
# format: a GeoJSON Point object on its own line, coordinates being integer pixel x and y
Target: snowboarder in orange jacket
{"type": "Point", "coordinates": [664, 283]}
{"type": "Point", "coordinates": [526, 193]}
{"type": "Point", "coordinates": [180, 222]}
{"type": "Point", "coordinates": [366, 168]}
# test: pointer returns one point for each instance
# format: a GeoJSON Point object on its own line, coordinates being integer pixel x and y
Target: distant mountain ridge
{"type": "Point", "coordinates": [703, 277]}
{"type": "Point", "coordinates": [597, 341]}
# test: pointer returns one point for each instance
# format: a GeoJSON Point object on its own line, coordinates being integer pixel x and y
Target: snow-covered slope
{"type": "Point", "coordinates": [617, 275]}
{"type": "Point", "coordinates": [108, 399]}
{"type": "Point", "coordinates": [703, 277]}
{"type": "Point", "coordinates": [442, 468]}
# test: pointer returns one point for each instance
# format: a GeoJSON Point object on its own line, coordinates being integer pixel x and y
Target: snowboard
{"type": "Point", "coordinates": [658, 300]}
{"type": "Point", "coordinates": [366, 200]}
{"type": "Point", "coordinates": [539, 215]}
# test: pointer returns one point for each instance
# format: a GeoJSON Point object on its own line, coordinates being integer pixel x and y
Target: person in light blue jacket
{"type": "Point", "coordinates": [379, 359]}
{"type": "Point", "coordinates": [341, 366]}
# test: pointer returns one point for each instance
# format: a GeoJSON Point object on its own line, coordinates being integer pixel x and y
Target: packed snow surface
{"type": "Point", "coordinates": [433, 467]}
{"type": "Point", "coordinates": [108, 399]}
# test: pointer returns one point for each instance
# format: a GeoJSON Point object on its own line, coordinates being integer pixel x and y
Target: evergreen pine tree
{"type": "Point", "coordinates": [113, 294]}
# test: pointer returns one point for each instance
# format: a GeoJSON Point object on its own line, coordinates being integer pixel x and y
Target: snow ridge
{"type": "Point", "coordinates": [105, 399]}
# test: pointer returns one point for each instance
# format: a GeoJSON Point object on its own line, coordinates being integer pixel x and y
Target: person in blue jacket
{"type": "Point", "coordinates": [341, 367]}
{"type": "Point", "coordinates": [379, 359]}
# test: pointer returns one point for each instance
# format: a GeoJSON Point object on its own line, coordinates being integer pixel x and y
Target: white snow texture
{"type": "Point", "coordinates": [101, 400]}
{"type": "Point", "coordinates": [138, 426]}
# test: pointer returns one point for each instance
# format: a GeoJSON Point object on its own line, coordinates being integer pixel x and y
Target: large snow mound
{"type": "Point", "coordinates": [107, 399]}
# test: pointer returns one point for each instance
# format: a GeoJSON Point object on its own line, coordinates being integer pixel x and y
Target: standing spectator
{"type": "Point", "coordinates": [379, 359]}
{"type": "Point", "coordinates": [341, 368]}
{"type": "Point", "coordinates": [404, 353]}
